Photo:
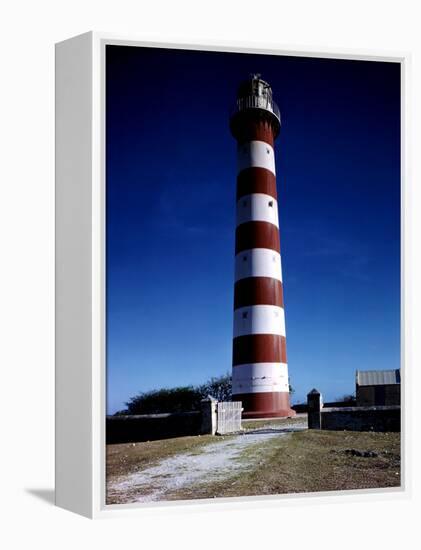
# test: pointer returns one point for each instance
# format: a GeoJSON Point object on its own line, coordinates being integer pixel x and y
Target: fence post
{"type": "Point", "coordinates": [208, 408]}
{"type": "Point", "coordinates": [314, 407]}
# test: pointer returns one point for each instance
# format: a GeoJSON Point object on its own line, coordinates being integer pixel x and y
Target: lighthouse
{"type": "Point", "coordinates": [259, 371]}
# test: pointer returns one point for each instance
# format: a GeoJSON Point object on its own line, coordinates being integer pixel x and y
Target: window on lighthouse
{"type": "Point", "coordinates": [270, 204]}
{"type": "Point", "coordinates": [245, 314]}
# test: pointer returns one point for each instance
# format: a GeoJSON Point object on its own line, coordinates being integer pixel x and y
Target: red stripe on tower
{"type": "Point", "coordinates": [260, 371]}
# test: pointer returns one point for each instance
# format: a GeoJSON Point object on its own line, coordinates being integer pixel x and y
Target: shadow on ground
{"type": "Point", "coordinates": [47, 495]}
{"type": "Point", "coordinates": [262, 431]}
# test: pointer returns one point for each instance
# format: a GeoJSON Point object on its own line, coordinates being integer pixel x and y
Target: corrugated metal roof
{"type": "Point", "coordinates": [378, 377]}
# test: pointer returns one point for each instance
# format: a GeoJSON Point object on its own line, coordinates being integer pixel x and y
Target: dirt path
{"type": "Point", "coordinates": [214, 462]}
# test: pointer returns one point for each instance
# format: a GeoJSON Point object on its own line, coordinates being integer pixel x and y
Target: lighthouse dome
{"type": "Point", "coordinates": [255, 86]}
{"type": "Point", "coordinates": [254, 98]}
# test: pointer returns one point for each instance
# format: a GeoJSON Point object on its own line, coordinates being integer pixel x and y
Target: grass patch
{"type": "Point", "coordinates": [296, 462]}
{"type": "Point", "coordinates": [126, 458]}
{"type": "Point", "coordinates": [129, 458]}
{"type": "Point", "coordinates": [310, 461]}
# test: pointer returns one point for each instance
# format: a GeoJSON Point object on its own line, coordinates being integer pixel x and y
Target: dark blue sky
{"type": "Point", "coordinates": [171, 175]}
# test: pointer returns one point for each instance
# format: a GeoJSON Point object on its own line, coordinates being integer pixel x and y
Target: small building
{"type": "Point", "coordinates": [378, 387]}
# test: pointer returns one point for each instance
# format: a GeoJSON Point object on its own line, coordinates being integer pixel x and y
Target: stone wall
{"type": "Point", "coordinates": [376, 419]}
{"type": "Point", "coordinates": [148, 427]}
{"type": "Point", "coordinates": [303, 408]}
{"type": "Point", "coordinates": [363, 419]}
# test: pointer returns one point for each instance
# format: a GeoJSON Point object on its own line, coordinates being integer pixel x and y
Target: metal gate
{"type": "Point", "coordinates": [228, 417]}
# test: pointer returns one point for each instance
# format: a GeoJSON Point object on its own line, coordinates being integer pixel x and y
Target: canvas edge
{"type": "Point", "coordinates": [97, 402]}
{"type": "Point", "coordinates": [74, 428]}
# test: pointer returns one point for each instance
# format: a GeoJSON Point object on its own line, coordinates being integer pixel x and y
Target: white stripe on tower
{"type": "Point", "coordinates": [258, 262]}
{"type": "Point", "coordinates": [259, 319]}
{"type": "Point", "coordinates": [260, 377]}
{"type": "Point", "coordinates": [255, 154]}
{"type": "Point", "coordinates": [257, 207]}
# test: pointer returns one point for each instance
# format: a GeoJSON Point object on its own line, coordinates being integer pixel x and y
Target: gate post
{"type": "Point", "coordinates": [314, 407]}
{"type": "Point", "coordinates": [208, 409]}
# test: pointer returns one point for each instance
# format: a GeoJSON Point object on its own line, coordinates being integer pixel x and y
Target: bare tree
{"type": "Point", "coordinates": [219, 387]}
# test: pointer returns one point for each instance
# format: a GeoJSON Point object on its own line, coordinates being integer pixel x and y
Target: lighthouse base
{"type": "Point", "coordinates": [271, 414]}
{"type": "Point", "coordinates": [265, 405]}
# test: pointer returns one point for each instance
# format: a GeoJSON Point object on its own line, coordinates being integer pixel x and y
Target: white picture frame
{"type": "Point", "coordinates": [80, 271]}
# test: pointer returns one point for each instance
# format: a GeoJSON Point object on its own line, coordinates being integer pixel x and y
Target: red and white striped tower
{"type": "Point", "coordinates": [259, 372]}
